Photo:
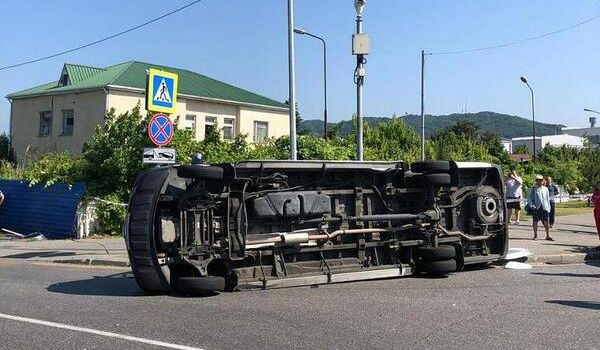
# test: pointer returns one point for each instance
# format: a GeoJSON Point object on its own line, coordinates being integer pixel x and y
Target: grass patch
{"type": "Point", "coordinates": [567, 208]}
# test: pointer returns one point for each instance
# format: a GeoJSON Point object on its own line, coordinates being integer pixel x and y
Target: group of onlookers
{"type": "Point", "coordinates": [541, 202]}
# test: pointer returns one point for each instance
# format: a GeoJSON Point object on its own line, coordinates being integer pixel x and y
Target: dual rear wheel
{"type": "Point", "coordinates": [439, 260]}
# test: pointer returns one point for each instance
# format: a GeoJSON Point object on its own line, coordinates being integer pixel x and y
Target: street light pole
{"type": "Point", "coordinates": [590, 110]}
{"type": "Point", "coordinates": [524, 80]}
{"type": "Point", "coordinates": [292, 81]}
{"type": "Point", "coordinates": [304, 32]}
{"type": "Point", "coordinates": [360, 47]}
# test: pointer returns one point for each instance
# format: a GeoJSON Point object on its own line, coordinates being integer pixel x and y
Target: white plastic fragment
{"type": "Point", "coordinates": [515, 265]}
{"type": "Point", "coordinates": [517, 253]}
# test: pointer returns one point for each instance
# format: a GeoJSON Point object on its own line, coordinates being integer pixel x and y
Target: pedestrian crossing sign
{"type": "Point", "coordinates": [161, 92]}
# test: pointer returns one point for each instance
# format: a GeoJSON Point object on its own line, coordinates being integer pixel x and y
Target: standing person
{"type": "Point", "coordinates": [539, 202]}
{"type": "Point", "coordinates": [554, 192]}
{"type": "Point", "coordinates": [596, 202]}
{"type": "Point", "coordinates": [514, 195]}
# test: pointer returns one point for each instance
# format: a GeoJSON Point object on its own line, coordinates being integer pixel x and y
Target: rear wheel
{"type": "Point", "coordinates": [442, 267]}
{"type": "Point", "coordinates": [444, 252]}
{"type": "Point", "coordinates": [423, 180]}
{"type": "Point", "coordinates": [432, 166]}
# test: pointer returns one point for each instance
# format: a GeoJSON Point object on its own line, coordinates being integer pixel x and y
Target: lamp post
{"type": "Point", "coordinates": [304, 32]}
{"type": "Point", "coordinates": [292, 81]}
{"type": "Point", "coordinates": [524, 80]}
{"type": "Point", "coordinates": [360, 48]}
{"type": "Point", "coordinates": [590, 110]}
{"type": "Point", "coordinates": [422, 105]}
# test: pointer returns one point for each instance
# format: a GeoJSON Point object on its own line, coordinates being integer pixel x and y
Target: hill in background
{"type": "Point", "coordinates": [507, 126]}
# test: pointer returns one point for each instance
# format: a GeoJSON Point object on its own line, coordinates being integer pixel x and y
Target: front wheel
{"type": "Point", "coordinates": [140, 233]}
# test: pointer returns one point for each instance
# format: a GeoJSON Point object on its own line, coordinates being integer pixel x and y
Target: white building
{"type": "Point", "coordinates": [552, 140]}
{"type": "Point", "coordinates": [507, 144]}
{"type": "Point", "coordinates": [592, 130]}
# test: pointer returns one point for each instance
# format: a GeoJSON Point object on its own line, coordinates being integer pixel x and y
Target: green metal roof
{"type": "Point", "coordinates": [133, 75]}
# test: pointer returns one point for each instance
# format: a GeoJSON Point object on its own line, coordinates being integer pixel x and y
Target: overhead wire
{"type": "Point", "coordinates": [128, 30]}
{"type": "Point", "coordinates": [515, 42]}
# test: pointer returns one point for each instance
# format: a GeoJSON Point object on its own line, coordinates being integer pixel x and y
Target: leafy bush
{"type": "Point", "coordinates": [111, 216]}
{"type": "Point", "coordinates": [10, 171]}
{"type": "Point", "coordinates": [53, 168]}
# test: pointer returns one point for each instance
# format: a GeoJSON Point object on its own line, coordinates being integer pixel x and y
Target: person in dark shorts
{"type": "Point", "coordinates": [514, 195]}
{"type": "Point", "coordinates": [538, 202]}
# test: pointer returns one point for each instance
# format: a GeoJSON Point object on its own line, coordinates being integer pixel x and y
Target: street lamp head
{"type": "Point", "coordinates": [587, 110]}
{"type": "Point", "coordinates": [523, 79]}
{"type": "Point", "coordinates": [299, 31]}
{"type": "Point", "coordinates": [358, 6]}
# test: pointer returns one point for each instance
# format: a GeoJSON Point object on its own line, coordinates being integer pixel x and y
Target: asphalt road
{"type": "Point", "coordinates": [548, 307]}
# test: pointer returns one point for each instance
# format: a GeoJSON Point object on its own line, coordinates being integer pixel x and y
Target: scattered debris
{"type": "Point", "coordinates": [38, 236]}
{"type": "Point", "coordinates": [517, 253]}
{"type": "Point", "coordinates": [515, 265]}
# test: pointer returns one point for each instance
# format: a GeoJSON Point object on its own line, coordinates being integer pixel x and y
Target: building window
{"type": "Point", "coordinates": [45, 123]}
{"type": "Point", "coordinates": [261, 131]}
{"type": "Point", "coordinates": [190, 122]}
{"type": "Point", "coordinates": [68, 121]}
{"type": "Point", "coordinates": [228, 128]}
{"type": "Point", "coordinates": [209, 124]}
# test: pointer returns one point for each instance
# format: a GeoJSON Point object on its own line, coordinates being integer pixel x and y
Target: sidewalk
{"type": "Point", "coordinates": [575, 241]}
{"type": "Point", "coordinates": [106, 251]}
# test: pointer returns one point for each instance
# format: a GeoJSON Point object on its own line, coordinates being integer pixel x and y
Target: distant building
{"type": "Point", "coordinates": [592, 130]}
{"type": "Point", "coordinates": [507, 144]}
{"type": "Point", "coordinates": [63, 115]}
{"type": "Point", "coordinates": [552, 140]}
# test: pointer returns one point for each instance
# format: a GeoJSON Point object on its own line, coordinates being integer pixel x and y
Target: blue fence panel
{"type": "Point", "coordinates": [51, 211]}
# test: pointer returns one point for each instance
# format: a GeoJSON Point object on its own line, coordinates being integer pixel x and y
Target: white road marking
{"type": "Point", "coordinates": [97, 332]}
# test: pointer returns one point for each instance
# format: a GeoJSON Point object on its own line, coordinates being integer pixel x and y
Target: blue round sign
{"type": "Point", "coordinates": [160, 129]}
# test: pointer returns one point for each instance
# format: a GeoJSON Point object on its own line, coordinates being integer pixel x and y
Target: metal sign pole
{"type": "Point", "coordinates": [422, 105]}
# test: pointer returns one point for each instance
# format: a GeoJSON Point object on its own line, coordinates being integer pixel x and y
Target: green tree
{"type": "Point", "coordinates": [453, 147]}
{"type": "Point", "coordinates": [392, 140]}
{"type": "Point", "coordinates": [590, 167]}
{"type": "Point", "coordinates": [6, 150]}
{"type": "Point", "coordinates": [113, 158]}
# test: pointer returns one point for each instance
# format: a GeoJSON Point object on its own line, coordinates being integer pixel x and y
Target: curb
{"type": "Point", "coordinates": [93, 262]}
{"type": "Point", "coordinates": [573, 258]}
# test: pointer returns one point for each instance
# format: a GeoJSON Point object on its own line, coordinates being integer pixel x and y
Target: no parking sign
{"type": "Point", "coordinates": [160, 129]}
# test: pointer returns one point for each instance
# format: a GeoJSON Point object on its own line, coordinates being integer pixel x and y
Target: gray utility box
{"type": "Point", "coordinates": [360, 44]}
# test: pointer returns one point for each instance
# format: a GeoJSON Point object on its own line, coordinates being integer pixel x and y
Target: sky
{"type": "Point", "coordinates": [244, 43]}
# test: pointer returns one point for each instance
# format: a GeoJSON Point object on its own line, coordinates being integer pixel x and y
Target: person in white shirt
{"type": "Point", "coordinates": [514, 195]}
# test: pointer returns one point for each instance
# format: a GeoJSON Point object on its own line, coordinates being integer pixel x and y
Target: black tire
{"type": "Point", "coordinates": [200, 284]}
{"type": "Point", "coordinates": [140, 231]}
{"type": "Point", "coordinates": [442, 267]}
{"type": "Point", "coordinates": [444, 252]}
{"type": "Point", "coordinates": [197, 171]}
{"type": "Point", "coordinates": [432, 166]}
{"type": "Point", "coordinates": [486, 205]}
{"type": "Point", "coordinates": [422, 180]}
